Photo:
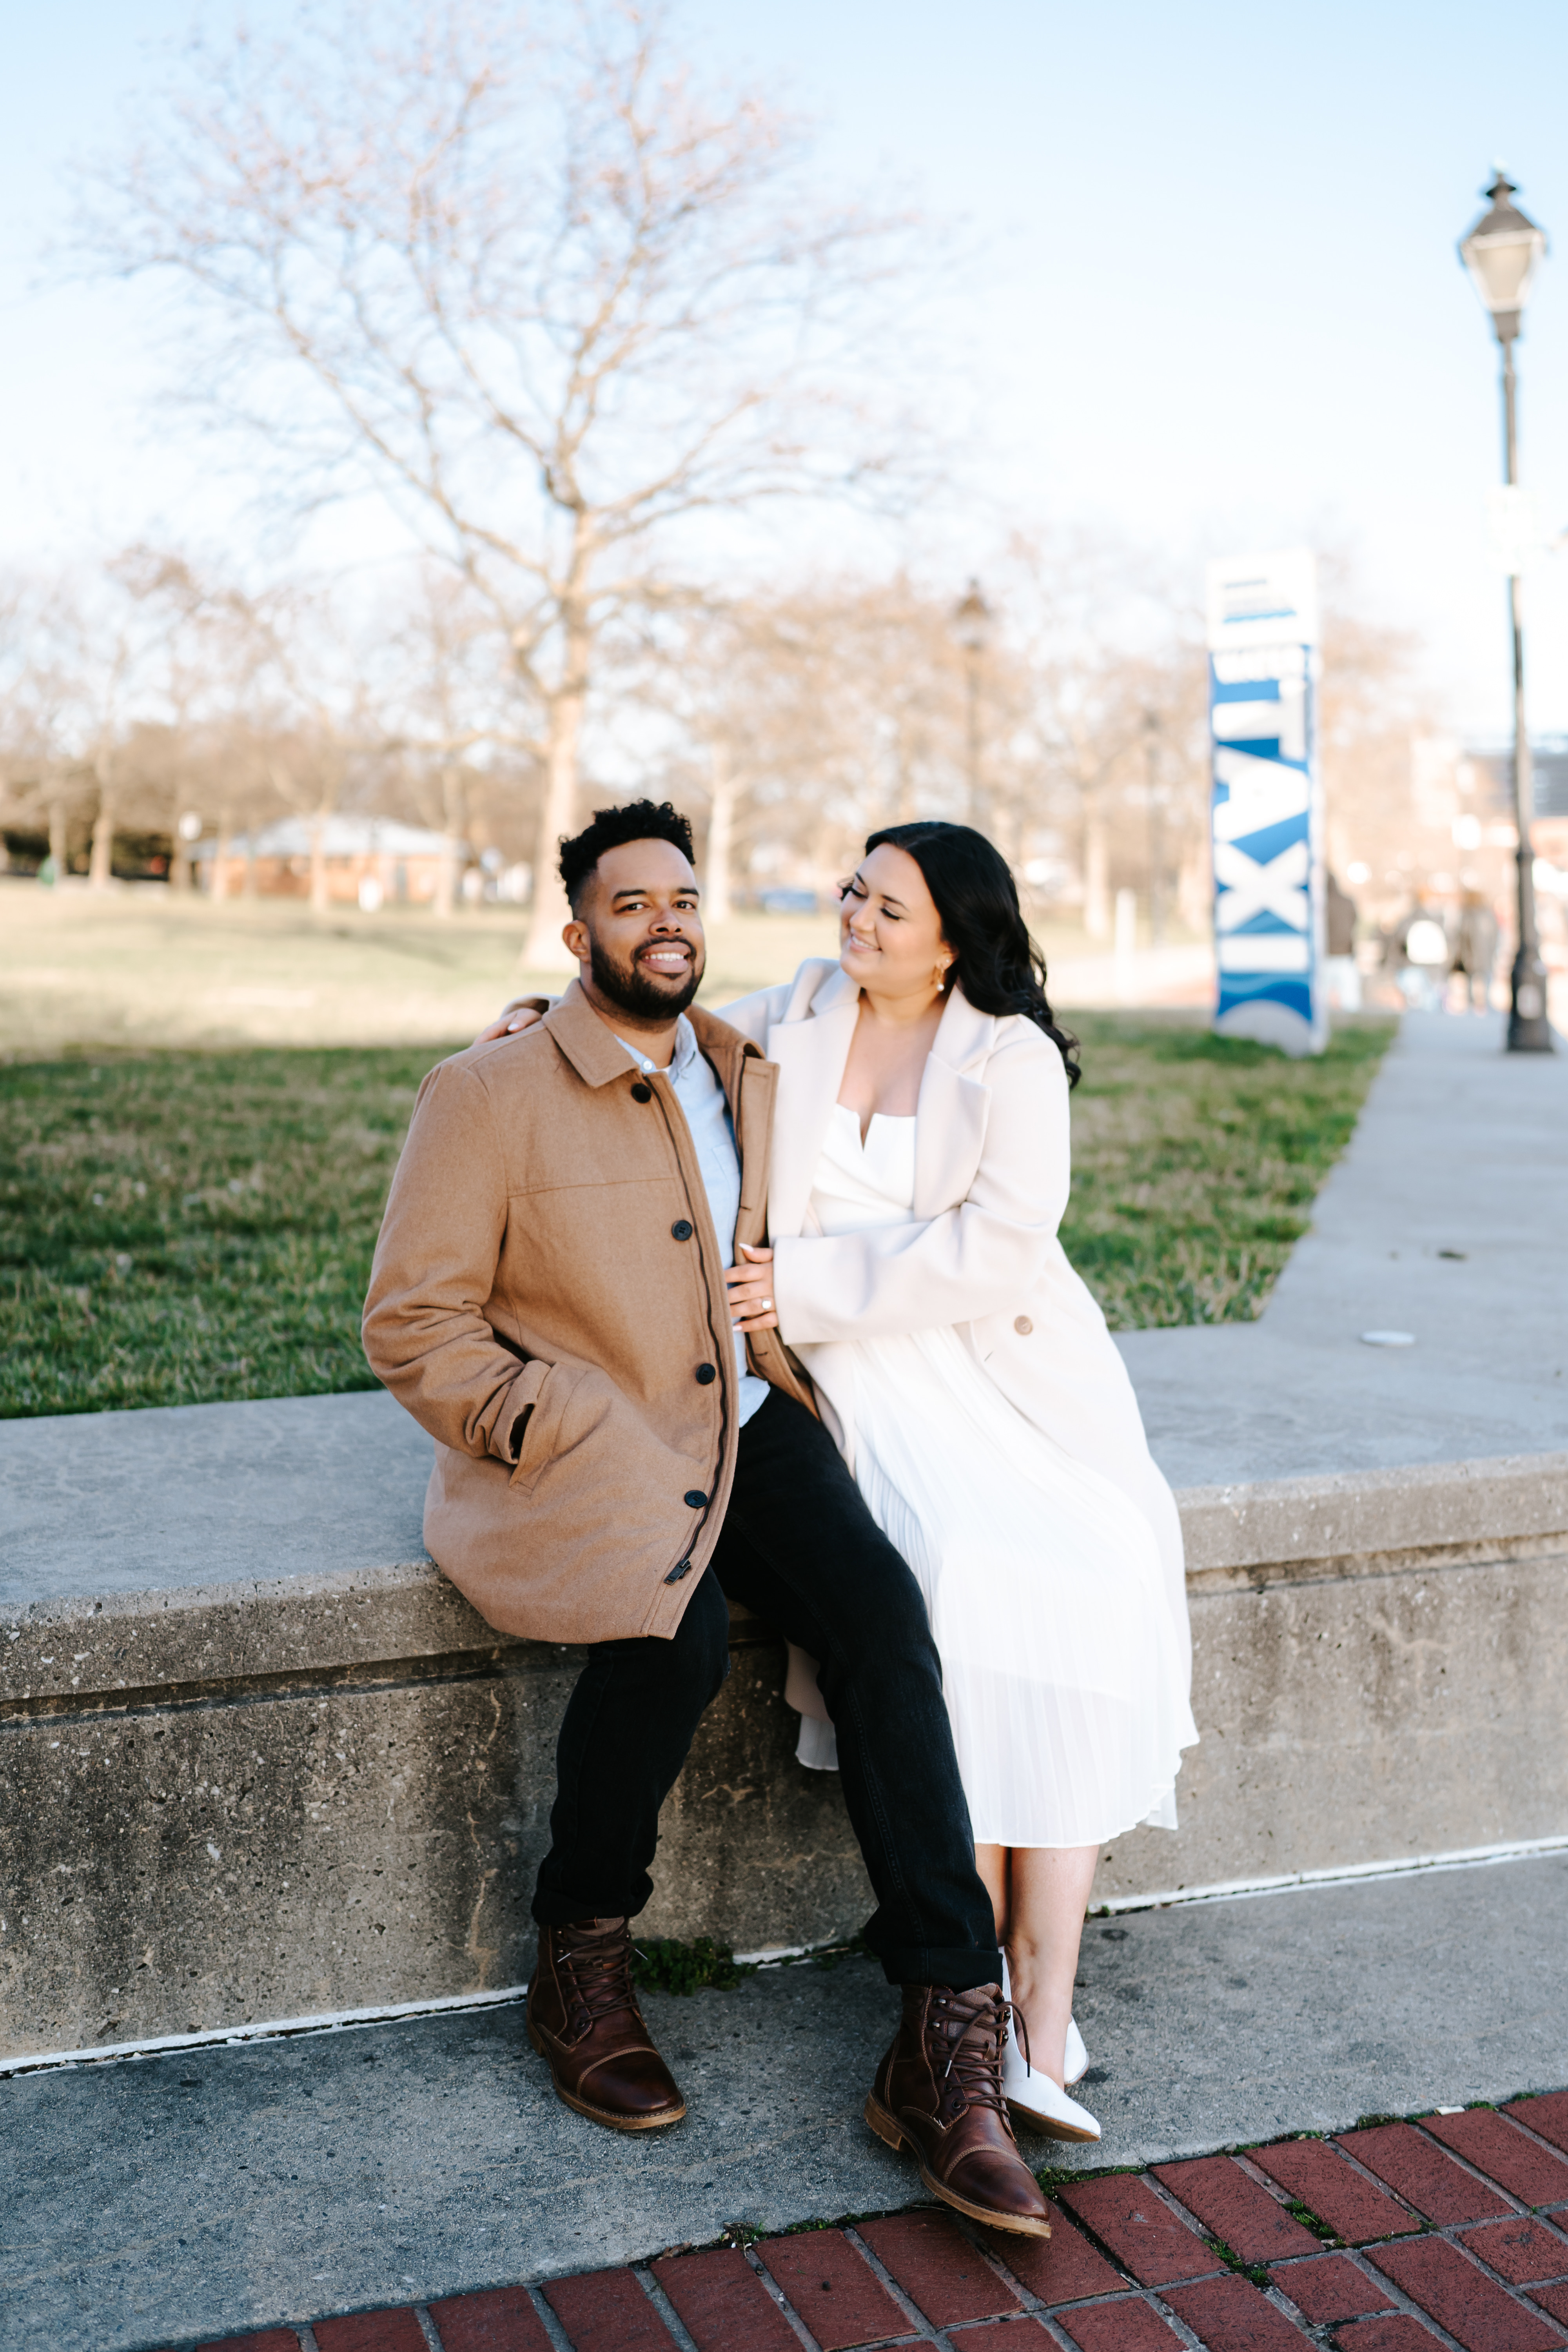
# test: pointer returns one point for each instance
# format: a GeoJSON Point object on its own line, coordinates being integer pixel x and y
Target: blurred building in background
{"type": "Point", "coordinates": [370, 862]}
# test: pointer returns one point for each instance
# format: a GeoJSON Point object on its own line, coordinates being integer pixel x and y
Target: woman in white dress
{"type": "Point", "coordinates": [920, 1170]}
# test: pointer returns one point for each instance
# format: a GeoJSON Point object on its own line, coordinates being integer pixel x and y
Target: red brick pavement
{"type": "Point", "coordinates": [1547, 2117]}
{"type": "Point", "coordinates": [942, 2272]}
{"type": "Point", "coordinates": [1452, 2223]}
{"type": "Point", "coordinates": [1484, 2317]}
{"type": "Point", "coordinates": [1425, 2176]}
{"type": "Point", "coordinates": [1397, 2333]}
{"type": "Point", "coordinates": [1331, 2287]}
{"type": "Point", "coordinates": [1246, 2216]}
{"type": "Point", "coordinates": [1317, 2175]}
{"type": "Point", "coordinates": [723, 2304]}
{"type": "Point", "coordinates": [1497, 2147]}
{"type": "Point", "coordinates": [502, 2321]}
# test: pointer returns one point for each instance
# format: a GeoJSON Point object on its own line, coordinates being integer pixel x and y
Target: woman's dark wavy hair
{"type": "Point", "coordinates": [998, 965]}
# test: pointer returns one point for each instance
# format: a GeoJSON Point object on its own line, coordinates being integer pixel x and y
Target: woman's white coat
{"type": "Point", "coordinates": [992, 1163]}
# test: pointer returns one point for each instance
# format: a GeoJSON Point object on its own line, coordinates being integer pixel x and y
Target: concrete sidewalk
{"type": "Point", "coordinates": [1445, 1219]}
{"type": "Point", "coordinates": [174, 2200]}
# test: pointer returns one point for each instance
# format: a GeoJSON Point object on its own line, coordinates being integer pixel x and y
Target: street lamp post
{"type": "Point", "coordinates": [1502, 253]}
{"type": "Point", "coordinates": [972, 624]}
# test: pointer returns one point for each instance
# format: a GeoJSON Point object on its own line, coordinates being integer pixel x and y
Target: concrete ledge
{"type": "Point", "coordinates": [1349, 1521]}
{"type": "Point", "coordinates": [267, 1795]}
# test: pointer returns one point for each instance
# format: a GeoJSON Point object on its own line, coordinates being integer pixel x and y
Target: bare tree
{"type": "Point", "coordinates": [446, 702]}
{"type": "Point", "coordinates": [88, 663]}
{"type": "Point", "coordinates": [1115, 675]}
{"type": "Point", "coordinates": [515, 271]}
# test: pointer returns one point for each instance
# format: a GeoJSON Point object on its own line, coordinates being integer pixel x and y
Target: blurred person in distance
{"type": "Point", "coordinates": [1340, 973]}
{"type": "Point", "coordinates": [1425, 953]}
{"type": "Point", "coordinates": [918, 1169]}
{"type": "Point", "coordinates": [1475, 951]}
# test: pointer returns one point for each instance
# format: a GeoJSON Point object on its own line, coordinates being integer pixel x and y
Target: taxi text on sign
{"type": "Point", "coordinates": [1268, 799]}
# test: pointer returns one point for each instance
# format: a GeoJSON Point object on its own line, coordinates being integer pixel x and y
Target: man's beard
{"type": "Point", "coordinates": [625, 986]}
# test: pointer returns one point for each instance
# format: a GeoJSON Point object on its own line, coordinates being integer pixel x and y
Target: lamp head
{"type": "Point", "coordinates": [971, 621]}
{"type": "Point", "coordinates": [1502, 253]}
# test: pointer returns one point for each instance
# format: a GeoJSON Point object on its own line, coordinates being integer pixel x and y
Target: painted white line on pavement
{"type": "Point", "coordinates": [1234, 1890]}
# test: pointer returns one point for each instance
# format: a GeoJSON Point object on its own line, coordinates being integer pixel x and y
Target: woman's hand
{"type": "Point", "coordinates": [519, 1014]}
{"type": "Point", "coordinates": [752, 1290]}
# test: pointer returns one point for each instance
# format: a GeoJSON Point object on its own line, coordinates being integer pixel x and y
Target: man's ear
{"type": "Point", "coordinates": [575, 936]}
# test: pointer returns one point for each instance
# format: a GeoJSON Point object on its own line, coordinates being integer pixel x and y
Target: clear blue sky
{"type": "Point", "coordinates": [1222, 307]}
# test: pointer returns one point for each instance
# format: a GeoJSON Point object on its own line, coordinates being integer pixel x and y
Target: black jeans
{"type": "Point", "coordinates": [798, 1545]}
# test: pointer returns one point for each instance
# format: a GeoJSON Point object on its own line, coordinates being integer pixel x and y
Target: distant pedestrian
{"type": "Point", "coordinates": [1424, 958]}
{"type": "Point", "coordinates": [1341, 974]}
{"type": "Point", "coordinates": [1475, 949]}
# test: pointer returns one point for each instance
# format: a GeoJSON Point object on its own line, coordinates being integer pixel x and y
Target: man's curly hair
{"type": "Point", "coordinates": [637, 821]}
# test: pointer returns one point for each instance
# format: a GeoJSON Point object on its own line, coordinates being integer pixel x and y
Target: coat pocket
{"type": "Point", "coordinates": [544, 1434]}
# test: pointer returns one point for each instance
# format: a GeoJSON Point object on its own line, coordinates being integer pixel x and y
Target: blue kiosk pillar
{"type": "Point", "coordinates": [1266, 811]}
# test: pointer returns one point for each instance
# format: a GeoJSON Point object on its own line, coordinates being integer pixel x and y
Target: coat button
{"type": "Point", "coordinates": [681, 1230]}
{"type": "Point", "coordinates": [706, 1372]}
{"type": "Point", "coordinates": [1022, 1325]}
{"type": "Point", "coordinates": [695, 1498]}
{"type": "Point", "coordinates": [641, 1093]}
{"type": "Point", "coordinates": [682, 1567]}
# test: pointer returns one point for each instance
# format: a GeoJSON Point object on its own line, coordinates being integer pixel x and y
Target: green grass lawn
{"type": "Point", "coordinates": [1196, 1160]}
{"type": "Point", "coordinates": [186, 1227]}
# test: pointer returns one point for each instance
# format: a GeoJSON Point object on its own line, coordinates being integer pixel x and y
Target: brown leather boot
{"type": "Point", "coordinates": [583, 2016]}
{"type": "Point", "coordinates": [938, 2093]}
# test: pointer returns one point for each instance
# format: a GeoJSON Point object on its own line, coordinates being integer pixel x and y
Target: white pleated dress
{"type": "Point", "coordinates": [1060, 1663]}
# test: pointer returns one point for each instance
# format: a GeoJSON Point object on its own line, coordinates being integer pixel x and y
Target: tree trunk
{"type": "Point", "coordinates": [100, 869]}
{"type": "Point", "coordinates": [220, 858]}
{"type": "Point", "coordinates": [721, 838]}
{"type": "Point", "coordinates": [1096, 873]}
{"type": "Point", "coordinates": [445, 904]}
{"type": "Point", "coordinates": [1195, 888]}
{"type": "Point", "coordinates": [319, 903]}
{"type": "Point", "coordinates": [545, 951]}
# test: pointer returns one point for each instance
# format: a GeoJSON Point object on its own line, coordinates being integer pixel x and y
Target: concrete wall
{"type": "Point", "coordinates": [219, 1805]}
{"type": "Point", "coordinates": [280, 1796]}
{"type": "Point", "coordinates": [1379, 1669]}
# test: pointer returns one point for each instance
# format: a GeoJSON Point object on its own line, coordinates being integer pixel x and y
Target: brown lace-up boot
{"type": "Point", "coordinates": [583, 2016]}
{"type": "Point", "coordinates": [938, 2093]}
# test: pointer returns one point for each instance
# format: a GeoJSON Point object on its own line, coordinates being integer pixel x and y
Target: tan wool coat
{"type": "Point", "coordinates": [548, 1258]}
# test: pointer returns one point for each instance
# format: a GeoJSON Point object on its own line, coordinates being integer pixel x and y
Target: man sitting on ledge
{"type": "Point", "coordinates": [621, 1441]}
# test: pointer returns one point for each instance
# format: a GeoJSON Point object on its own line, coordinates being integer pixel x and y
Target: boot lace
{"type": "Point", "coordinates": [598, 1969]}
{"type": "Point", "coordinates": [976, 2035]}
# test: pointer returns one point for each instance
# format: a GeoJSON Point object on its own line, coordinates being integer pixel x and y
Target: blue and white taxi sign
{"type": "Point", "coordinates": [1268, 799]}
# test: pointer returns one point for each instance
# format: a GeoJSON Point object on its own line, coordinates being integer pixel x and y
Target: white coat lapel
{"type": "Point", "coordinates": [811, 1055]}
{"type": "Point", "coordinates": [951, 1115]}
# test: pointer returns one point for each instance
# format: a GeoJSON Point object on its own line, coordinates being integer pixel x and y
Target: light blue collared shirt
{"type": "Point", "coordinates": [702, 1099]}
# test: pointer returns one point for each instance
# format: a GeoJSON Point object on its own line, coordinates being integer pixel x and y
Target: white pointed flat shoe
{"type": "Point", "coordinates": [1032, 2098]}
{"type": "Point", "coordinates": [1076, 2061]}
